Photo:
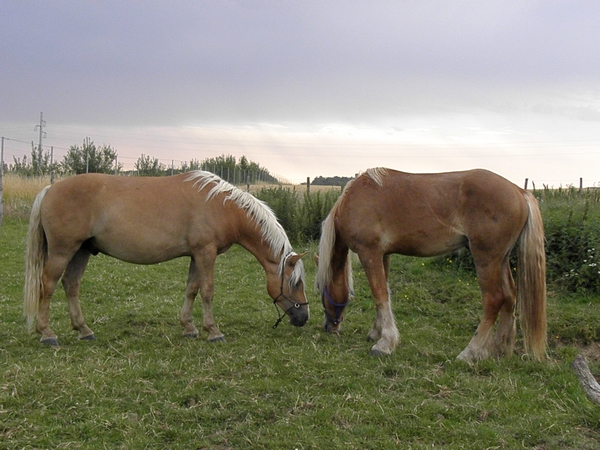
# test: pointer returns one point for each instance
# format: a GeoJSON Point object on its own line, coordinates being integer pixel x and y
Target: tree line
{"type": "Point", "coordinates": [91, 158]}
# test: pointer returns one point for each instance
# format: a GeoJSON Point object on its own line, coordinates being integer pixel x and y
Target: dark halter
{"type": "Point", "coordinates": [338, 307]}
{"type": "Point", "coordinates": [293, 304]}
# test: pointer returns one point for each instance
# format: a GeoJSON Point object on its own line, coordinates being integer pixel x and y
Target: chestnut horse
{"type": "Point", "coordinates": [384, 211]}
{"type": "Point", "coordinates": [146, 221]}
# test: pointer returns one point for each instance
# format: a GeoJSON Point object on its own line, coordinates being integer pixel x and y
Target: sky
{"type": "Point", "coordinates": [311, 88]}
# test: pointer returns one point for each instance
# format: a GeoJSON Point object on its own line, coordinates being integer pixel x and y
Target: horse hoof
{"type": "Point", "coordinates": [51, 342]}
{"type": "Point", "coordinates": [217, 339]}
{"type": "Point", "coordinates": [89, 337]}
{"type": "Point", "coordinates": [376, 353]}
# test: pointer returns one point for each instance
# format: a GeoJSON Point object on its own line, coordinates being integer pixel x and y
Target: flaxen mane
{"type": "Point", "coordinates": [376, 174]}
{"type": "Point", "coordinates": [271, 230]}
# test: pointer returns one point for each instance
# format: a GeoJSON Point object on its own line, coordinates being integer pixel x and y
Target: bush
{"type": "Point", "coordinates": [300, 215]}
{"type": "Point", "coordinates": [572, 228]}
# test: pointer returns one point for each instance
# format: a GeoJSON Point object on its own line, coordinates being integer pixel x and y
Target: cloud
{"type": "Point", "coordinates": [364, 81]}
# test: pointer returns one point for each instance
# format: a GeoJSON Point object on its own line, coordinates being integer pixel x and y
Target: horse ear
{"type": "Point", "coordinates": [292, 260]}
{"type": "Point", "coordinates": [316, 259]}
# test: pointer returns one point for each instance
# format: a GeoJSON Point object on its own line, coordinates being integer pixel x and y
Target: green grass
{"type": "Point", "coordinates": [141, 385]}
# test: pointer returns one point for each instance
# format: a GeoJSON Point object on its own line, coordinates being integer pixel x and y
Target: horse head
{"type": "Point", "coordinates": [291, 297]}
{"type": "Point", "coordinates": [332, 308]}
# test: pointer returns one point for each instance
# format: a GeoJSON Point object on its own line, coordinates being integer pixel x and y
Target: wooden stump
{"type": "Point", "coordinates": [587, 380]}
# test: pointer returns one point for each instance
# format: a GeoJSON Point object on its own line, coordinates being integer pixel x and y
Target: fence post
{"type": "Point", "coordinates": [308, 185]}
{"type": "Point", "coordinates": [52, 164]}
{"type": "Point", "coordinates": [580, 184]}
{"type": "Point", "coordinates": [1, 174]}
{"type": "Point", "coordinates": [526, 182]}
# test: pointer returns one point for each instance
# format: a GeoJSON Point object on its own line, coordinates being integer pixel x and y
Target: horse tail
{"type": "Point", "coordinates": [531, 271]}
{"type": "Point", "coordinates": [35, 259]}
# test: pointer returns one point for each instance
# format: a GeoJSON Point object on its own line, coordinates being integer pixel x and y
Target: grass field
{"type": "Point", "coordinates": [141, 385]}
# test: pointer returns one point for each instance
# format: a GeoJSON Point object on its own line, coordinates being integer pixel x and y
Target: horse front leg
{"type": "Point", "coordinates": [201, 280]}
{"type": "Point", "coordinates": [374, 333]}
{"type": "Point", "coordinates": [384, 329]}
{"type": "Point", "coordinates": [186, 318]}
{"type": "Point", "coordinates": [71, 281]}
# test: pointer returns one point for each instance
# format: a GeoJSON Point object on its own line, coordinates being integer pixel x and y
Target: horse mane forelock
{"type": "Point", "coordinates": [271, 230]}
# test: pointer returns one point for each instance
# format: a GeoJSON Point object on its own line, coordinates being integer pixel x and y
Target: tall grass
{"type": "Point", "coordinates": [19, 192]}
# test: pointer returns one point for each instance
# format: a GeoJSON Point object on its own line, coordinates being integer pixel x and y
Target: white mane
{"type": "Point", "coordinates": [270, 228]}
{"type": "Point", "coordinates": [376, 174]}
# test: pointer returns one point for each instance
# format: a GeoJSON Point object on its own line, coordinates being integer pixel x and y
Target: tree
{"type": "Point", "coordinates": [193, 165]}
{"type": "Point", "coordinates": [37, 165]}
{"type": "Point", "coordinates": [91, 159]}
{"type": "Point", "coordinates": [149, 167]}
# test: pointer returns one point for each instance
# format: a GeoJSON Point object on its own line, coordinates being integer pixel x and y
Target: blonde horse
{"type": "Point", "coordinates": [385, 211]}
{"type": "Point", "coordinates": [147, 221]}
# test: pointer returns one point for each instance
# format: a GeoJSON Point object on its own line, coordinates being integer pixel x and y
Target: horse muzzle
{"type": "Point", "coordinates": [299, 316]}
{"type": "Point", "coordinates": [331, 326]}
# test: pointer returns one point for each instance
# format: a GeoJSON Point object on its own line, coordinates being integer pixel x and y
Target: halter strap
{"type": "Point", "coordinates": [338, 307]}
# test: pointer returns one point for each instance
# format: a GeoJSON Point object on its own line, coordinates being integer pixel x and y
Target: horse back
{"type": "Point", "coordinates": [429, 214]}
{"type": "Point", "coordinates": [126, 216]}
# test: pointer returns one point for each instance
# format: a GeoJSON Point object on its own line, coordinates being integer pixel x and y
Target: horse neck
{"type": "Point", "coordinates": [252, 240]}
{"type": "Point", "coordinates": [340, 285]}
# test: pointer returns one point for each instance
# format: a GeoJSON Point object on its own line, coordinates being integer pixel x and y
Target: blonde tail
{"type": "Point", "coordinates": [35, 259]}
{"type": "Point", "coordinates": [531, 291]}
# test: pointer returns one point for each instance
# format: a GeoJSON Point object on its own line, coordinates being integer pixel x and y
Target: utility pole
{"type": "Point", "coordinates": [42, 135]}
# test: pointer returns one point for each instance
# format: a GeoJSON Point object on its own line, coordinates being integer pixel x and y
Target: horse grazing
{"type": "Point", "coordinates": [146, 221]}
{"type": "Point", "coordinates": [384, 211]}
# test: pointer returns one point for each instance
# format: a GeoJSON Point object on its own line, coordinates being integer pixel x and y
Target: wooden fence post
{"type": "Point", "coordinates": [526, 182]}
{"type": "Point", "coordinates": [1, 174]}
{"type": "Point", "coordinates": [308, 185]}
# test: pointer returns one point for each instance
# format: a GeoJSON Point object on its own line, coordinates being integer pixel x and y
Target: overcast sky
{"type": "Point", "coordinates": [308, 88]}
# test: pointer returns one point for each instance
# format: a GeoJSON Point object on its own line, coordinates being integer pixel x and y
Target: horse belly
{"type": "Point", "coordinates": [142, 247]}
{"type": "Point", "coordinates": [424, 242]}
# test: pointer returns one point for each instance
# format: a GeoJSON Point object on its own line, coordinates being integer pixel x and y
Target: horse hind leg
{"type": "Point", "coordinates": [71, 281]}
{"type": "Point", "coordinates": [53, 269]}
{"type": "Point", "coordinates": [481, 345]}
{"type": "Point", "coordinates": [504, 341]}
